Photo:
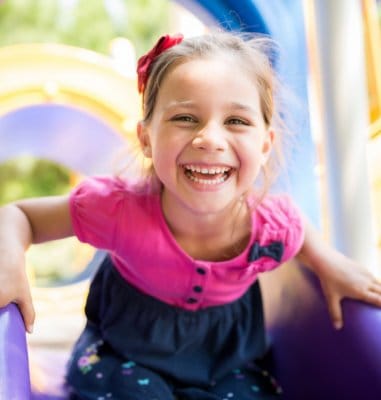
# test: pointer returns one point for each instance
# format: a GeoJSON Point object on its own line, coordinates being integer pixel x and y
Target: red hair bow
{"type": "Point", "coordinates": [144, 62]}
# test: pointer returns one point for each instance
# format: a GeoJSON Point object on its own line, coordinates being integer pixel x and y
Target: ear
{"type": "Point", "coordinates": [267, 144]}
{"type": "Point", "coordinates": [144, 139]}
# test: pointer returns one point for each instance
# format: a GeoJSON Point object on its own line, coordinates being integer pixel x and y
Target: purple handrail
{"type": "Point", "coordinates": [14, 371]}
{"type": "Point", "coordinates": [311, 359]}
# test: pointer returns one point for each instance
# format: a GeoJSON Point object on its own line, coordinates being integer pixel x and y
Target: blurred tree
{"type": "Point", "coordinates": [31, 177]}
{"type": "Point", "coordinates": [83, 23]}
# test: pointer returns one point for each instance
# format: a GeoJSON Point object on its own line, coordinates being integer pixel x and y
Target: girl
{"type": "Point", "coordinates": [175, 310]}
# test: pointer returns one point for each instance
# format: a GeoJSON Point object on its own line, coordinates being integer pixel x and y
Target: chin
{"type": "Point", "coordinates": [208, 209]}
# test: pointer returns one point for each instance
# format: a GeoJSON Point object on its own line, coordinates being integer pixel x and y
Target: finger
{"type": "Point", "coordinates": [375, 287]}
{"type": "Point", "coordinates": [335, 311]}
{"type": "Point", "coordinates": [373, 297]}
{"type": "Point", "coordinates": [25, 305]}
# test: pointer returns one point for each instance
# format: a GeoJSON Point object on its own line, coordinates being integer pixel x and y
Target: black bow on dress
{"type": "Point", "coordinates": [273, 250]}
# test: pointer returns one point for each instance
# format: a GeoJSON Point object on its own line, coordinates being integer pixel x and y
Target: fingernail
{"type": "Point", "coordinates": [338, 325]}
{"type": "Point", "coordinates": [30, 329]}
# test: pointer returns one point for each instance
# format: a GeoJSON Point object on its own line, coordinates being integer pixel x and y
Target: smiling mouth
{"type": "Point", "coordinates": [207, 175]}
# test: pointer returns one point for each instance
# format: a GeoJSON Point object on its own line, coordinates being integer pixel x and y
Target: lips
{"type": "Point", "coordinates": [207, 175]}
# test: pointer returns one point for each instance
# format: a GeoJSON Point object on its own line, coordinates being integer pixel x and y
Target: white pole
{"type": "Point", "coordinates": [345, 123]}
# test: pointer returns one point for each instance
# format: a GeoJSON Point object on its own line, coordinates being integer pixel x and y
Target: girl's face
{"type": "Point", "coordinates": [207, 137]}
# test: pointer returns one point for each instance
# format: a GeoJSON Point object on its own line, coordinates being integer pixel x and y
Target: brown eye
{"type": "Point", "coordinates": [184, 118]}
{"type": "Point", "coordinates": [237, 121]}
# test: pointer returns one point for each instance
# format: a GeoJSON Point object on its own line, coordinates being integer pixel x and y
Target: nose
{"type": "Point", "coordinates": [210, 138]}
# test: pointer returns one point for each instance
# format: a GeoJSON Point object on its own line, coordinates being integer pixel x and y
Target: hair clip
{"type": "Point", "coordinates": [144, 62]}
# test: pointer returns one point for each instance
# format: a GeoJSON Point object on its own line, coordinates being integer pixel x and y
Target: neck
{"type": "Point", "coordinates": [214, 236]}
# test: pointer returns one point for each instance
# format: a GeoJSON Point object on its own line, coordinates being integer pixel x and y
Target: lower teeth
{"type": "Point", "coordinates": [206, 181]}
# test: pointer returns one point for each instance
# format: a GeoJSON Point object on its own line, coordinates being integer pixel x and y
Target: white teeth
{"type": "Point", "coordinates": [207, 181]}
{"type": "Point", "coordinates": [217, 174]}
{"type": "Point", "coordinates": [213, 172]}
{"type": "Point", "coordinates": [209, 171]}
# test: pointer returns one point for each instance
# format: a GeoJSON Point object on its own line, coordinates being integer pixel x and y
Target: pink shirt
{"type": "Point", "coordinates": [109, 214]}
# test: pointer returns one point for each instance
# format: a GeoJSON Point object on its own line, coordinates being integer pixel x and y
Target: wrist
{"type": "Point", "coordinates": [15, 230]}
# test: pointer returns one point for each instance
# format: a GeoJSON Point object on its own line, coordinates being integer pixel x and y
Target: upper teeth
{"type": "Point", "coordinates": [204, 170]}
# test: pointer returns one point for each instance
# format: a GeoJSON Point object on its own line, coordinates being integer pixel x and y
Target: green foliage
{"type": "Point", "coordinates": [25, 177]}
{"type": "Point", "coordinates": [31, 177]}
{"type": "Point", "coordinates": [83, 23]}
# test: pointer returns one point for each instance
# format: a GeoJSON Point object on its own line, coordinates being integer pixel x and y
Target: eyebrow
{"type": "Point", "coordinates": [233, 105]}
{"type": "Point", "coordinates": [185, 104]}
{"type": "Point", "coordinates": [243, 107]}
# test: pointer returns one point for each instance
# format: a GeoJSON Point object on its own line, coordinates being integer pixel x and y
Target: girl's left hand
{"type": "Point", "coordinates": [340, 278]}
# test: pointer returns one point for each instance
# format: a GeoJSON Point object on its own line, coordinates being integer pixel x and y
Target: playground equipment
{"type": "Point", "coordinates": [66, 106]}
{"type": "Point", "coordinates": [79, 128]}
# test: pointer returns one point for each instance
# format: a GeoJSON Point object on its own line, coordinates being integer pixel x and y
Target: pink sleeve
{"type": "Point", "coordinates": [96, 205]}
{"type": "Point", "coordinates": [282, 222]}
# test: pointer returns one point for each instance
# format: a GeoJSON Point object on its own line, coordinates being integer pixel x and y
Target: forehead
{"type": "Point", "coordinates": [219, 74]}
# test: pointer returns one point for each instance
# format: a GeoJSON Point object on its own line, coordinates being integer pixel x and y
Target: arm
{"type": "Point", "coordinates": [339, 276]}
{"type": "Point", "coordinates": [21, 224]}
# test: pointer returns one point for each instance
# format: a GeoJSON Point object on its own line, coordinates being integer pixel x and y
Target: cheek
{"type": "Point", "coordinates": [251, 149]}
{"type": "Point", "coordinates": [251, 162]}
{"type": "Point", "coordinates": [164, 157]}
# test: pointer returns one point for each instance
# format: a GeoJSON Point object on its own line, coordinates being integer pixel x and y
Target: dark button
{"type": "Point", "coordinates": [197, 289]}
{"type": "Point", "coordinates": [201, 271]}
{"type": "Point", "coordinates": [191, 300]}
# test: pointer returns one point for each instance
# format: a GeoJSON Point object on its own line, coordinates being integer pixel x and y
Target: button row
{"type": "Point", "coordinates": [197, 288]}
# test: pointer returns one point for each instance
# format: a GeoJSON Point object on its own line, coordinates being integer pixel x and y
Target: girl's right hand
{"type": "Point", "coordinates": [14, 287]}
{"type": "Point", "coordinates": [23, 223]}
